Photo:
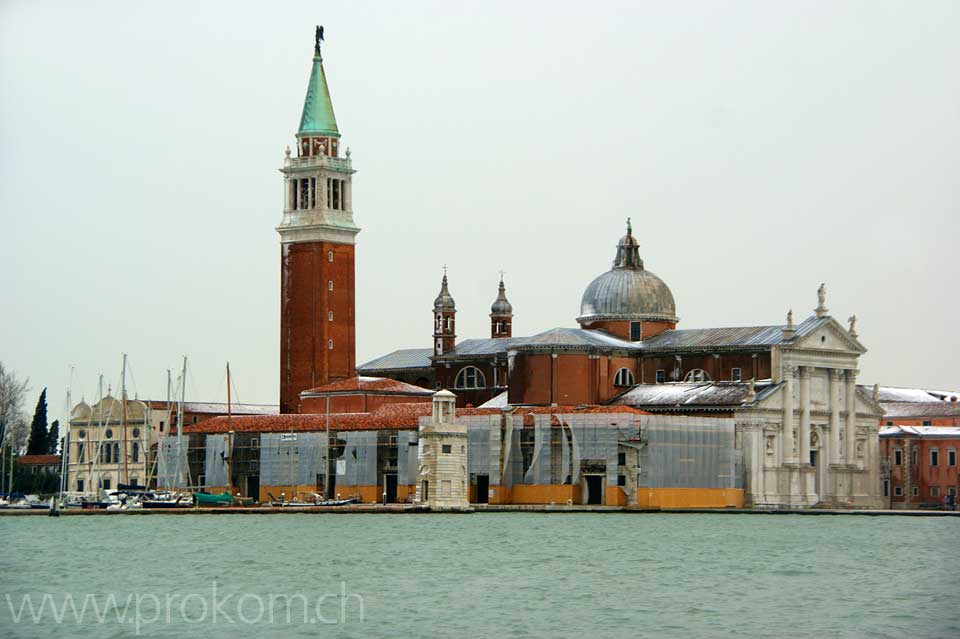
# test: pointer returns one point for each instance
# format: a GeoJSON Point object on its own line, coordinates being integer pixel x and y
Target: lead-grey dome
{"type": "Point", "coordinates": [501, 306]}
{"type": "Point", "coordinates": [444, 301]}
{"type": "Point", "coordinates": [627, 291]}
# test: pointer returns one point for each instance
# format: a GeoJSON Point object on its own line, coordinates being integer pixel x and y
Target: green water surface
{"type": "Point", "coordinates": [483, 575]}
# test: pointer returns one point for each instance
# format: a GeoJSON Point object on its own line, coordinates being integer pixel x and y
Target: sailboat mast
{"type": "Point", "coordinates": [229, 437]}
{"type": "Point", "coordinates": [183, 395]}
{"type": "Point", "coordinates": [123, 418]}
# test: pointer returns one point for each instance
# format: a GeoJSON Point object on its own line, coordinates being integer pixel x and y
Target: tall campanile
{"type": "Point", "coordinates": [317, 237]}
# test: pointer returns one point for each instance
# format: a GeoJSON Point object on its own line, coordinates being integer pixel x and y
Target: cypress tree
{"type": "Point", "coordinates": [37, 444]}
{"type": "Point", "coordinates": [53, 437]}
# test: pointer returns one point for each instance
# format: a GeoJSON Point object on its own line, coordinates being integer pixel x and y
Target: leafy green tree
{"type": "Point", "coordinates": [38, 429]}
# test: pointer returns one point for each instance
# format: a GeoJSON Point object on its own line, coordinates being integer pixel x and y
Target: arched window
{"type": "Point", "coordinates": [329, 316]}
{"type": "Point", "coordinates": [470, 377]}
{"type": "Point", "coordinates": [329, 256]}
{"type": "Point", "coordinates": [624, 377]}
{"type": "Point", "coordinates": [697, 375]}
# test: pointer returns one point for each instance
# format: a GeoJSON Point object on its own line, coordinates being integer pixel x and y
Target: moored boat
{"type": "Point", "coordinates": [207, 499]}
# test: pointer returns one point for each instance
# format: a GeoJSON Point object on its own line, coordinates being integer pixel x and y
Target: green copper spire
{"type": "Point", "coordinates": [318, 118]}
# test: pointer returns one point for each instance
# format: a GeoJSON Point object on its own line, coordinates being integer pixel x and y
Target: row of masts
{"type": "Point", "coordinates": [181, 470]}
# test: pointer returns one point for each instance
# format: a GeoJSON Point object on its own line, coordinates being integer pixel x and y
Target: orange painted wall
{"type": "Point", "coordinates": [689, 498]}
{"type": "Point", "coordinates": [544, 494]}
{"type": "Point", "coordinates": [614, 496]}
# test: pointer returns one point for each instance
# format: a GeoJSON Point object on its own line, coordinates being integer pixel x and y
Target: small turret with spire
{"type": "Point", "coordinates": [444, 319]}
{"type": "Point", "coordinates": [501, 314]}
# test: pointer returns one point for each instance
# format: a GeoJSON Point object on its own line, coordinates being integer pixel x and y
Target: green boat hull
{"type": "Point", "coordinates": [206, 499]}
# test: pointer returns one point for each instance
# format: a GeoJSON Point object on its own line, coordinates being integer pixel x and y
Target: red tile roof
{"type": "Point", "coordinates": [368, 384]}
{"type": "Point", "coordinates": [387, 417]}
{"type": "Point", "coordinates": [39, 460]}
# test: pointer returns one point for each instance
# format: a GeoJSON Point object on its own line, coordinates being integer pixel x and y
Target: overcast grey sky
{"type": "Point", "coordinates": [760, 147]}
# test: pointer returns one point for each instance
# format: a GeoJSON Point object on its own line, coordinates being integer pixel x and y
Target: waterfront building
{"type": "Point", "coordinates": [442, 457]}
{"type": "Point", "coordinates": [806, 434]}
{"type": "Point", "coordinates": [108, 444]}
{"type": "Point", "coordinates": [919, 466]}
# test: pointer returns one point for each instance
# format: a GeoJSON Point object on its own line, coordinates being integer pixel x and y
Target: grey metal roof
{"type": "Point", "coordinates": [906, 410]}
{"type": "Point", "coordinates": [574, 338]}
{"type": "Point", "coordinates": [694, 395]}
{"type": "Point", "coordinates": [743, 336]}
{"type": "Point", "coordinates": [403, 358]}
{"type": "Point", "coordinates": [894, 394]}
{"type": "Point", "coordinates": [555, 338]}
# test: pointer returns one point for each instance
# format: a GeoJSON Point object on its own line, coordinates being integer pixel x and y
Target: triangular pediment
{"type": "Point", "coordinates": [828, 335]}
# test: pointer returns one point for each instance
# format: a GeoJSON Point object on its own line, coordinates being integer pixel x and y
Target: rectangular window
{"type": "Point", "coordinates": [636, 331]}
{"type": "Point", "coordinates": [79, 485]}
{"type": "Point", "coordinates": [621, 480]}
{"type": "Point", "coordinates": [136, 451]}
{"type": "Point", "coordinates": [952, 491]}
{"type": "Point", "coordinates": [951, 457]}
{"type": "Point", "coordinates": [736, 375]}
{"type": "Point", "coordinates": [621, 459]}
{"type": "Point", "coordinates": [926, 423]}
{"type": "Point", "coordinates": [661, 376]}
{"type": "Point", "coordinates": [446, 448]}
{"type": "Point", "coordinates": [886, 487]}
{"type": "Point", "coordinates": [330, 285]}
{"type": "Point", "coordinates": [934, 457]}
{"type": "Point", "coordinates": [916, 491]}
{"type": "Point", "coordinates": [80, 452]}
{"type": "Point", "coordinates": [934, 491]}
{"type": "Point", "coordinates": [161, 427]}
{"type": "Point", "coordinates": [889, 423]}
{"type": "Point", "coordinates": [106, 483]}
{"type": "Point", "coordinates": [897, 457]}
{"type": "Point", "coordinates": [329, 194]}
{"type": "Point", "coordinates": [898, 491]}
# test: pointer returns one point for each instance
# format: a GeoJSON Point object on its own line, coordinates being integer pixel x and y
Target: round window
{"type": "Point", "coordinates": [136, 433]}
{"type": "Point", "coordinates": [82, 434]}
{"type": "Point", "coordinates": [108, 433]}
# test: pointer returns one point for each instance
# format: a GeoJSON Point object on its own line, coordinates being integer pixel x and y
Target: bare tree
{"type": "Point", "coordinates": [14, 426]}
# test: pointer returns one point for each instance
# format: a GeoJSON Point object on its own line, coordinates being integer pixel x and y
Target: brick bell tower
{"type": "Point", "coordinates": [317, 237]}
{"type": "Point", "coordinates": [444, 319]}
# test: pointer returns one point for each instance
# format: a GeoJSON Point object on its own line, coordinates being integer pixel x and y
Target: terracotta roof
{"type": "Point", "coordinates": [368, 384]}
{"type": "Point", "coordinates": [404, 416]}
{"type": "Point", "coordinates": [39, 460]}
{"type": "Point", "coordinates": [389, 416]}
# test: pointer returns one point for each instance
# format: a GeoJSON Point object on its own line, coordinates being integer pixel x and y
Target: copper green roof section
{"type": "Point", "coordinates": [318, 118]}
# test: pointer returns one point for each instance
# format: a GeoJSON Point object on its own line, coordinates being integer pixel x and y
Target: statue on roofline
{"type": "Point", "coordinates": [318, 38]}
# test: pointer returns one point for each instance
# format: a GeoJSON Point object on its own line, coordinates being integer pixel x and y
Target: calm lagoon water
{"type": "Point", "coordinates": [489, 575]}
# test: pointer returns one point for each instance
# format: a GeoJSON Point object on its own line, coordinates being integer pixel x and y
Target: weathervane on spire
{"type": "Point", "coordinates": [318, 38]}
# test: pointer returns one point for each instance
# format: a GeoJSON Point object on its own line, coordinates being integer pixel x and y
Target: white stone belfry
{"type": "Point", "coordinates": [442, 457]}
